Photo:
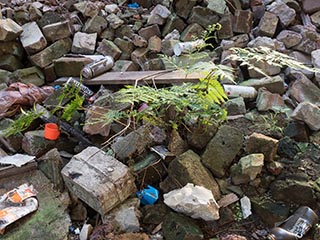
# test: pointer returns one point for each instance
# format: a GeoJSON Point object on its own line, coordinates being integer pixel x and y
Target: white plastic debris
{"type": "Point", "coordinates": [245, 207]}
{"type": "Point", "coordinates": [194, 201]}
{"type": "Point", "coordinates": [17, 159]}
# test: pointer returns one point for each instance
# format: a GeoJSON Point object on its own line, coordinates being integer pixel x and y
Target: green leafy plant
{"type": "Point", "coordinates": [22, 123]}
{"type": "Point", "coordinates": [70, 94]}
{"type": "Point", "coordinates": [188, 105]}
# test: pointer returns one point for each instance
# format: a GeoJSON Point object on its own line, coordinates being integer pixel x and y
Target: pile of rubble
{"type": "Point", "coordinates": [233, 181]}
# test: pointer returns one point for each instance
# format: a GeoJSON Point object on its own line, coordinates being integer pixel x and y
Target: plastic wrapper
{"type": "Point", "coordinates": [20, 94]}
{"type": "Point", "coordinates": [16, 204]}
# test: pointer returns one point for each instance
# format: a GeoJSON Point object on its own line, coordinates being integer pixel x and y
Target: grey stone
{"type": "Point", "coordinates": [56, 31]}
{"type": "Point", "coordinates": [51, 164]}
{"type": "Point", "coordinates": [270, 211]}
{"type": "Point", "coordinates": [184, 7]}
{"type": "Point", "coordinates": [310, 6]}
{"type": "Point", "coordinates": [125, 217]}
{"type": "Point", "coordinates": [315, 19]}
{"type": "Point", "coordinates": [108, 48]}
{"type": "Point", "coordinates": [222, 150]}
{"type": "Point", "coordinates": [114, 21]}
{"type": "Point", "coordinates": [124, 66]}
{"type": "Point", "coordinates": [124, 31]}
{"type": "Point", "coordinates": [161, 11]}
{"type": "Point", "coordinates": [216, 6]}
{"type": "Point", "coordinates": [84, 43]}
{"type": "Point", "coordinates": [227, 29]}
{"type": "Point", "coordinates": [191, 32]}
{"type": "Point", "coordinates": [70, 66]}
{"type": "Point", "coordinates": [167, 46]}
{"type": "Point", "coordinates": [308, 113]}
{"type": "Point", "coordinates": [154, 44]}
{"type": "Point", "coordinates": [95, 25]}
{"type": "Point", "coordinates": [50, 17]}
{"type": "Point", "coordinates": [286, 14]}
{"type": "Point", "coordinates": [108, 34]}
{"type": "Point", "coordinates": [12, 48]}
{"type": "Point", "coordinates": [289, 38]}
{"type": "Point", "coordinates": [92, 126]}
{"type": "Point", "coordinates": [112, 8]}
{"type": "Point", "coordinates": [153, 65]}
{"type": "Point", "coordinates": [88, 9]}
{"type": "Point", "coordinates": [134, 143]}
{"type": "Point", "coordinates": [139, 41]}
{"type": "Point", "coordinates": [98, 179]}
{"type": "Point", "coordinates": [10, 62]}
{"type": "Point", "coordinates": [315, 138]}
{"type": "Point", "coordinates": [179, 227]}
{"type": "Point", "coordinates": [303, 90]}
{"type": "Point", "coordinates": [288, 148]}
{"type": "Point", "coordinates": [126, 47]}
{"type": "Point", "coordinates": [243, 21]}
{"type": "Point", "coordinates": [267, 42]}
{"type": "Point", "coordinates": [203, 16]}
{"type": "Point", "coordinates": [4, 76]}
{"type": "Point", "coordinates": [31, 75]}
{"type": "Point", "coordinates": [272, 84]}
{"type": "Point", "coordinates": [259, 143]}
{"type": "Point", "coordinates": [235, 106]}
{"type": "Point", "coordinates": [306, 46]}
{"type": "Point", "coordinates": [139, 57]}
{"type": "Point", "coordinates": [34, 143]}
{"type": "Point", "coordinates": [9, 30]}
{"type": "Point", "coordinates": [264, 66]}
{"type": "Point", "coordinates": [54, 51]}
{"type": "Point", "coordinates": [187, 168]}
{"type": "Point", "coordinates": [293, 191]}
{"type": "Point", "coordinates": [298, 131]}
{"type": "Point", "coordinates": [268, 24]}
{"type": "Point", "coordinates": [32, 38]}
{"type": "Point", "coordinates": [148, 32]}
{"type": "Point", "coordinates": [267, 101]}
{"type": "Point", "coordinates": [303, 58]}
{"type": "Point", "coordinates": [200, 135]}
{"type": "Point", "coordinates": [247, 169]}
{"type": "Point", "coordinates": [315, 57]}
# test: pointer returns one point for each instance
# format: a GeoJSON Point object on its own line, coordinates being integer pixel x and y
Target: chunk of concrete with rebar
{"type": "Point", "coordinates": [98, 179]}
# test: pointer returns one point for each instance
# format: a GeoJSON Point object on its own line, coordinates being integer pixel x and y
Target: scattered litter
{"type": "Point", "coordinates": [245, 207]}
{"type": "Point", "coordinates": [17, 160]}
{"type": "Point", "coordinates": [16, 204]}
{"type": "Point", "coordinates": [20, 94]}
{"type": "Point", "coordinates": [148, 196]}
{"type": "Point", "coordinates": [133, 5]}
{"type": "Point", "coordinates": [194, 201]}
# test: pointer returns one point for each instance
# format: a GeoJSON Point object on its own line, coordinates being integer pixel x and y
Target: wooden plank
{"type": "Point", "coordinates": [13, 170]}
{"type": "Point", "coordinates": [143, 77]}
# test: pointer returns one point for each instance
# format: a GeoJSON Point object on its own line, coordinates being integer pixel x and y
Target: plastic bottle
{"type": "Point", "coordinates": [97, 67]}
{"type": "Point", "coordinates": [240, 91]}
{"type": "Point", "coordinates": [296, 226]}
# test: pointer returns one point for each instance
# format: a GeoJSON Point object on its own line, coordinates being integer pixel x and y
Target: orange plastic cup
{"type": "Point", "coordinates": [51, 131]}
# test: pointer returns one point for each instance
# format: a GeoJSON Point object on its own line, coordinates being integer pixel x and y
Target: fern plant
{"type": "Point", "coordinates": [188, 105]}
{"type": "Point", "coordinates": [22, 123]}
{"type": "Point", "coordinates": [249, 56]}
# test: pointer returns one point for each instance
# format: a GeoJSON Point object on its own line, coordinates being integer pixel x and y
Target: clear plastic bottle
{"type": "Point", "coordinates": [296, 226]}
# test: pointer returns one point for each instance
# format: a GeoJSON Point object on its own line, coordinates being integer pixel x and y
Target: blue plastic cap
{"type": "Point", "coordinates": [133, 5]}
{"type": "Point", "coordinates": [148, 196]}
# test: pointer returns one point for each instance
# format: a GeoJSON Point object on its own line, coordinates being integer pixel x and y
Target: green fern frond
{"type": "Point", "coordinates": [74, 105]}
{"type": "Point", "coordinates": [22, 123]}
{"type": "Point", "coordinates": [248, 56]}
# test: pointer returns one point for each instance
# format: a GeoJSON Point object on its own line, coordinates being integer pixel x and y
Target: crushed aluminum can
{"type": "Point", "coordinates": [97, 67]}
